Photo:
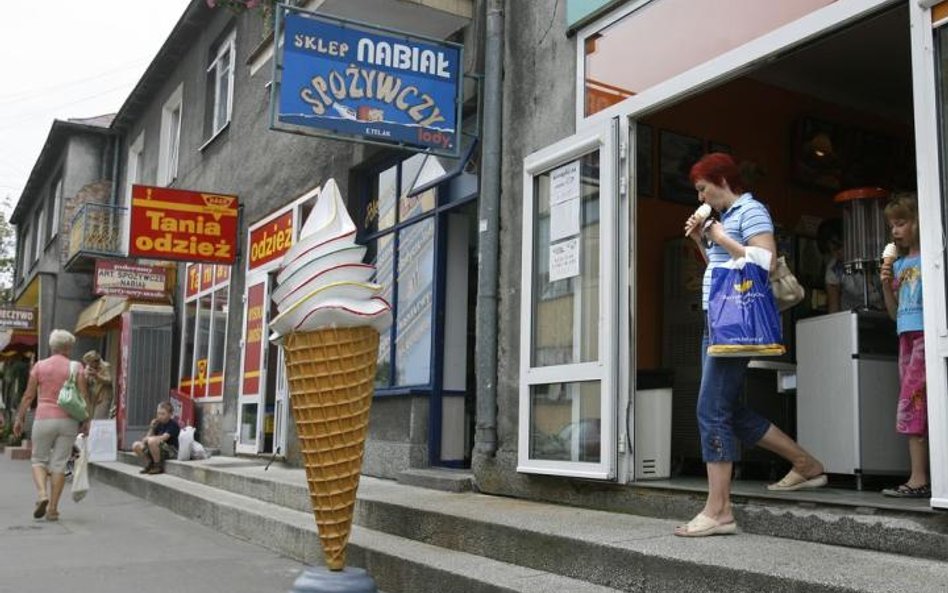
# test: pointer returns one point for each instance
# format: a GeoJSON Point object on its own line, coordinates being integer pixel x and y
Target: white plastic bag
{"type": "Point", "coordinates": [80, 471]}
{"type": "Point", "coordinates": [103, 441]}
{"type": "Point", "coordinates": [198, 451]}
{"type": "Point", "coordinates": [185, 439]}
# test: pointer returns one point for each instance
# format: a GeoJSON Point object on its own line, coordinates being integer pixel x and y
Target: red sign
{"type": "Point", "coordinates": [207, 276]}
{"type": "Point", "coordinates": [271, 241]}
{"type": "Point", "coordinates": [254, 342]}
{"type": "Point", "coordinates": [193, 279]}
{"type": "Point", "coordinates": [221, 275]}
{"type": "Point", "coordinates": [130, 280]}
{"type": "Point", "coordinates": [183, 225]}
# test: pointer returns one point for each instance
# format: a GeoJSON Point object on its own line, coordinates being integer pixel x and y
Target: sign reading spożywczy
{"type": "Point", "coordinates": [343, 79]}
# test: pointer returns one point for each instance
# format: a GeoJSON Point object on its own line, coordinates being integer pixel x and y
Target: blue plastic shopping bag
{"type": "Point", "coordinates": [742, 314]}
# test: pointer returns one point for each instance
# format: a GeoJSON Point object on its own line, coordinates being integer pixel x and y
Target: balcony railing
{"type": "Point", "coordinates": [97, 230]}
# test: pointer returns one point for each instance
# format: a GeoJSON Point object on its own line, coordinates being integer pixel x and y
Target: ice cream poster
{"type": "Point", "coordinates": [346, 79]}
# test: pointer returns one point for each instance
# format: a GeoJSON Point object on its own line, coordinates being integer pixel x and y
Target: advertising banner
{"type": "Point", "coordinates": [130, 280]}
{"type": "Point", "coordinates": [17, 318]}
{"type": "Point", "coordinates": [254, 342]}
{"type": "Point", "coordinates": [207, 277]}
{"type": "Point", "coordinates": [270, 241]}
{"type": "Point", "coordinates": [369, 85]}
{"type": "Point", "coordinates": [193, 280]}
{"type": "Point", "coordinates": [183, 225]}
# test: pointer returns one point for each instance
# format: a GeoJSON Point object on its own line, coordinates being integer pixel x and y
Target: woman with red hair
{"type": "Point", "coordinates": [723, 420]}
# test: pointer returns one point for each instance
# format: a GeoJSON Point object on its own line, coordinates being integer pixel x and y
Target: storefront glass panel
{"type": "Point", "coordinates": [565, 422]}
{"type": "Point", "coordinates": [384, 275]}
{"type": "Point", "coordinates": [676, 35]}
{"type": "Point", "coordinates": [187, 351]}
{"type": "Point", "coordinates": [219, 337]}
{"type": "Point", "coordinates": [415, 286]}
{"type": "Point", "coordinates": [566, 290]}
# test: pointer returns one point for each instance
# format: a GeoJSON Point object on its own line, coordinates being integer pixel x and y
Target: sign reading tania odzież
{"type": "Point", "coordinates": [130, 280]}
{"type": "Point", "coordinates": [17, 318]}
{"type": "Point", "coordinates": [368, 84]}
{"type": "Point", "coordinates": [183, 225]}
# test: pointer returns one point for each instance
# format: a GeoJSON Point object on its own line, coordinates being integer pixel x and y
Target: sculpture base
{"type": "Point", "coordinates": [319, 579]}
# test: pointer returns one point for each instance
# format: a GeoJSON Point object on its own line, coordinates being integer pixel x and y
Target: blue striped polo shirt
{"type": "Point", "coordinates": [745, 218]}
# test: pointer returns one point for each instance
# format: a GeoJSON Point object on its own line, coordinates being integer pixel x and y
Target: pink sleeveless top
{"type": "Point", "coordinates": [50, 374]}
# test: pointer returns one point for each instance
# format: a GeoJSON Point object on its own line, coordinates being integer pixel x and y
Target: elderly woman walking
{"type": "Point", "coordinates": [54, 431]}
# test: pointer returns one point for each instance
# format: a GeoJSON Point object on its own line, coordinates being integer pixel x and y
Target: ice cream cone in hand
{"type": "Point", "coordinates": [890, 253]}
{"type": "Point", "coordinates": [328, 323]}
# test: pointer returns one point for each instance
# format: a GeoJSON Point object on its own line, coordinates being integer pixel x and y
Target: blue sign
{"type": "Point", "coordinates": [344, 79]}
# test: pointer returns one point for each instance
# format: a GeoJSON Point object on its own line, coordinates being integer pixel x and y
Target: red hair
{"type": "Point", "coordinates": [718, 168]}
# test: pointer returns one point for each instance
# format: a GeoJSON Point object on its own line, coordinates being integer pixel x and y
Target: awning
{"type": "Point", "coordinates": [20, 342]}
{"type": "Point", "coordinates": [101, 311]}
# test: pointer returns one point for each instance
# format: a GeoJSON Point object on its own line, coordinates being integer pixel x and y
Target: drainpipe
{"type": "Point", "coordinates": [485, 438]}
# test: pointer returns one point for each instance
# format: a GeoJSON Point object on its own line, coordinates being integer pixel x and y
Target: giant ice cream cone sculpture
{"type": "Point", "coordinates": [329, 324]}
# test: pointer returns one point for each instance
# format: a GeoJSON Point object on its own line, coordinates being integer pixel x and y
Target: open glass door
{"type": "Point", "coordinates": [253, 367]}
{"type": "Point", "coordinates": [569, 338]}
{"type": "Point", "coordinates": [929, 26]}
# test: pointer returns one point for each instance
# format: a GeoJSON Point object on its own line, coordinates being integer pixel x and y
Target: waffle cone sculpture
{"type": "Point", "coordinates": [331, 374]}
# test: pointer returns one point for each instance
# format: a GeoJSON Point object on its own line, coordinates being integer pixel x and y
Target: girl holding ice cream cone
{"type": "Point", "coordinates": [901, 275]}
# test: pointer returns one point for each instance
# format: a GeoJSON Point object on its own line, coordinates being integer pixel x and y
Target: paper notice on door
{"type": "Point", "coordinates": [564, 202]}
{"type": "Point", "coordinates": [564, 260]}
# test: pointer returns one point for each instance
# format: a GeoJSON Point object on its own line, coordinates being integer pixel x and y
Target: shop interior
{"type": "Point", "coordinates": [815, 129]}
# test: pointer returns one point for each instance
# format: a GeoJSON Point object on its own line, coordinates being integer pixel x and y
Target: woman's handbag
{"type": "Point", "coordinates": [786, 288]}
{"type": "Point", "coordinates": [70, 400]}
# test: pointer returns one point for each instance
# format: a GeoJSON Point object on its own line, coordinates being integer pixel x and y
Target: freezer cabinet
{"type": "Point", "coordinates": [847, 392]}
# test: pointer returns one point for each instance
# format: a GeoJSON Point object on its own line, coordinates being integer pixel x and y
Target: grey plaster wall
{"type": "Point", "coordinates": [539, 109]}
{"type": "Point", "coordinates": [267, 170]}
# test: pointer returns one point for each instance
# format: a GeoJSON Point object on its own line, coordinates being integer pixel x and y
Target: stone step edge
{"type": "Point", "coordinates": [622, 564]}
{"type": "Point", "coordinates": [877, 532]}
{"type": "Point", "coordinates": [294, 534]}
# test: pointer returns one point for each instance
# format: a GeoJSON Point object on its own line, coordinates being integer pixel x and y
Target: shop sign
{"type": "Point", "coordinates": [253, 343]}
{"type": "Point", "coordinates": [359, 82]}
{"type": "Point", "coordinates": [221, 275]}
{"type": "Point", "coordinates": [207, 277]}
{"type": "Point", "coordinates": [270, 241]}
{"type": "Point", "coordinates": [193, 275]}
{"type": "Point", "coordinates": [183, 225]}
{"type": "Point", "coordinates": [17, 318]}
{"type": "Point", "coordinates": [130, 280]}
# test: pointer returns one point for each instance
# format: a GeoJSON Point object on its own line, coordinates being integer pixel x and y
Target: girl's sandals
{"type": "Point", "coordinates": [906, 491]}
{"type": "Point", "coordinates": [52, 516]}
{"type": "Point", "coordinates": [40, 511]}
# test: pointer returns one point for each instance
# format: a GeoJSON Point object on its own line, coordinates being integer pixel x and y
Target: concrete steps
{"type": "Point", "coordinates": [414, 539]}
{"type": "Point", "coordinates": [23, 452]}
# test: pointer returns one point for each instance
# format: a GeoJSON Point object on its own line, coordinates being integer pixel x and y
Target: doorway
{"type": "Point", "coordinates": [833, 115]}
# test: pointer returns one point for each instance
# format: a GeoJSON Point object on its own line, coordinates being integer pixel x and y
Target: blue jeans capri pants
{"type": "Point", "coordinates": [723, 419]}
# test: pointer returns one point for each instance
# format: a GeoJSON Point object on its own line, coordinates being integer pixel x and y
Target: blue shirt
{"type": "Point", "coordinates": [745, 218]}
{"type": "Point", "coordinates": [908, 277]}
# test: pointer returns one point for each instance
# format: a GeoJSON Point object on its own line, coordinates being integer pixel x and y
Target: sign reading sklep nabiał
{"type": "Point", "coordinates": [183, 225]}
{"type": "Point", "coordinates": [367, 84]}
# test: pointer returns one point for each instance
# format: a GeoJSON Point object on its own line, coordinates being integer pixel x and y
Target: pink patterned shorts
{"type": "Point", "coordinates": [912, 415]}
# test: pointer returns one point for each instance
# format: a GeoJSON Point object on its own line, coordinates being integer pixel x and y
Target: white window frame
{"type": "Point", "coordinates": [227, 49]}
{"type": "Point", "coordinates": [169, 144]}
{"type": "Point", "coordinates": [39, 230]}
{"type": "Point", "coordinates": [56, 205]}
{"type": "Point", "coordinates": [928, 150]}
{"type": "Point", "coordinates": [133, 172]}
{"type": "Point", "coordinates": [604, 371]}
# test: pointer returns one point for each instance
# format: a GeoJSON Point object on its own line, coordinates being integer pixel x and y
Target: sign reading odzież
{"type": "Point", "coordinates": [183, 225]}
{"type": "Point", "coordinates": [348, 79]}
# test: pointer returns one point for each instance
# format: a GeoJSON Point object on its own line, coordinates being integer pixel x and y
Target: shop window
{"type": "Point", "coordinates": [220, 85]}
{"type": "Point", "coordinates": [204, 335]}
{"type": "Point", "coordinates": [671, 37]}
{"type": "Point", "coordinates": [53, 205]}
{"type": "Point", "coordinates": [170, 139]}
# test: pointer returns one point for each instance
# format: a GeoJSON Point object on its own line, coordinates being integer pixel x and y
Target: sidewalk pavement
{"type": "Point", "coordinates": [114, 542]}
